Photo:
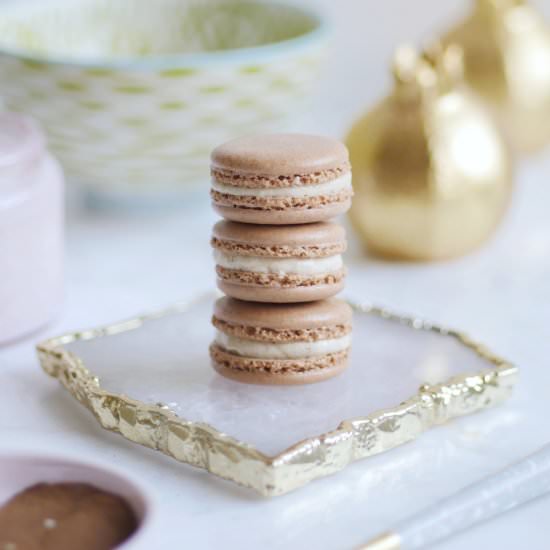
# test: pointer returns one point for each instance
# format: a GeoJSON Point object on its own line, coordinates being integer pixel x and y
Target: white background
{"type": "Point", "coordinates": [120, 266]}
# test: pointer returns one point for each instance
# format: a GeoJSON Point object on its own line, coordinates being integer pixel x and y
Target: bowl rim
{"type": "Point", "coordinates": [253, 54]}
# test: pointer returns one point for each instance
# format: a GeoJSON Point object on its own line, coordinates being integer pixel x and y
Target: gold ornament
{"type": "Point", "coordinates": [431, 173]}
{"type": "Point", "coordinates": [506, 47]}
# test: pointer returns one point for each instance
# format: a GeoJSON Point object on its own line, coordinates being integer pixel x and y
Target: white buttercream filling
{"type": "Point", "coordinates": [290, 350]}
{"type": "Point", "coordinates": [280, 266]}
{"type": "Point", "coordinates": [313, 190]}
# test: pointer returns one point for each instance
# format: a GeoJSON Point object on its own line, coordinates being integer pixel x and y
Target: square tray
{"type": "Point", "coordinates": [150, 380]}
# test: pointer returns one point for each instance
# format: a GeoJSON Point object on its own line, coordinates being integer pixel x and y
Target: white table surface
{"type": "Point", "coordinates": [120, 266]}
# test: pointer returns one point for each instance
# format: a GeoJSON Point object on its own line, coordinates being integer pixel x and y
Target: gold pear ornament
{"type": "Point", "coordinates": [506, 46]}
{"type": "Point", "coordinates": [432, 174]}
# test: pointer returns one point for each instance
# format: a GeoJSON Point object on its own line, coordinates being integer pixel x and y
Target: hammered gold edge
{"type": "Point", "coordinates": [203, 446]}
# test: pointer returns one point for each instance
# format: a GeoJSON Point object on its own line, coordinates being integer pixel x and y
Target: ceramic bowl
{"type": "Point", "coordinates": [20, 470]}
{"type": "Point", "coordinates": [135, 94]}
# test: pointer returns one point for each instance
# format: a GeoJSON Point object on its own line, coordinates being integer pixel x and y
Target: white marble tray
{"type": "Point", "coordinates": [150, 380]}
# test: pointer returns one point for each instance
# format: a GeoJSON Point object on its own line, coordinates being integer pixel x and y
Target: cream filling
{"type": "Point", "coordinates": [291, 350]}
{"type": "Point", "coordinates": [314, 190]}
{"type": "Point", "coordinates": [280, 266]}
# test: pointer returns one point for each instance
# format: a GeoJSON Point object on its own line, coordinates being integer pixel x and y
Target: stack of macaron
{"type": "Point", "coordinates": [279, 258]}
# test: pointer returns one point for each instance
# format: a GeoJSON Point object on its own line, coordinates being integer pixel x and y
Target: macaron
{"type": "Point", "coordinates": [279, 263]}
{"type": "Point", "coordinates": [281, 344]}
{"type": "Point", "coordinates": [281, 179]}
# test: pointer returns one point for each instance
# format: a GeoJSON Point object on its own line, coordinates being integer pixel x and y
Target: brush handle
{"type": "Point", "coordinates": [500, 492]}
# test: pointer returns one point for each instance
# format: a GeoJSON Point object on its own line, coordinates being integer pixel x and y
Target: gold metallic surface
{"type": "Point", "coordinates": [204, 446]}
{"type": "Point", "coordinates": [431, 173]}
{"type": "Point", "coordinates": [387, 541]}
{"type": "Point", "coordinates": [506, 47]}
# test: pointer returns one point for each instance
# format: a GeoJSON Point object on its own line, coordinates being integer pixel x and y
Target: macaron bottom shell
{"type": "Point", "coordinates": [280, 295]}
{"type": "Point", "coordinates": [279, 372]}
{"type": "Point", "coordinates": [287, 216]}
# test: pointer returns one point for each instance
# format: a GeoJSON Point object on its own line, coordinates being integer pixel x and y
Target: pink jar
{"type": "Point", "coordinates": [31, 229]}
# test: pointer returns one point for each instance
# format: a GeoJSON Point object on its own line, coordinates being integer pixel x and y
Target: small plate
{"type": "Point", "coordinates": [150, 380]}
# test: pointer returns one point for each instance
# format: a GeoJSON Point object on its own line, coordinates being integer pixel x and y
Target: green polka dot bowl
{"type": "Point", "coordinates": [134, 94]}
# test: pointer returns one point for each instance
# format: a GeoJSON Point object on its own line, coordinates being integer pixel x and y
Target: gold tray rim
{"type": "Point", "coordinates": [202, 445]}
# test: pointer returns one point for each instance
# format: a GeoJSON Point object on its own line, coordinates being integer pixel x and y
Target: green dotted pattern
{"type": "Point", "coordinates": [143, 128]}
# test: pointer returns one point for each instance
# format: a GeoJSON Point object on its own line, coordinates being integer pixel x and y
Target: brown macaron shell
{"type": "Point", "coordinates": [308, 315]}
{"type": "Point", "coordinates": [279, 161]}
{"type": "Point", "coordinates": [280, 323]}
{"type": "Point", "coordinates": [276, 372]}
{"type": "Point", "coordinates": [281, 241]}
{"type": "Point", "coordinates": [282, 295]}
{"type": "Point", "coordinates": [301, 242]}
{"type": "Point", "coordinates": [279, 155]}
{"type": "Point", "coordinates": [282, 217]}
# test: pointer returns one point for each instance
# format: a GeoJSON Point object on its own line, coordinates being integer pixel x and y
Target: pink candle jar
{"type": "Point", "coordinates": [31, 229]}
